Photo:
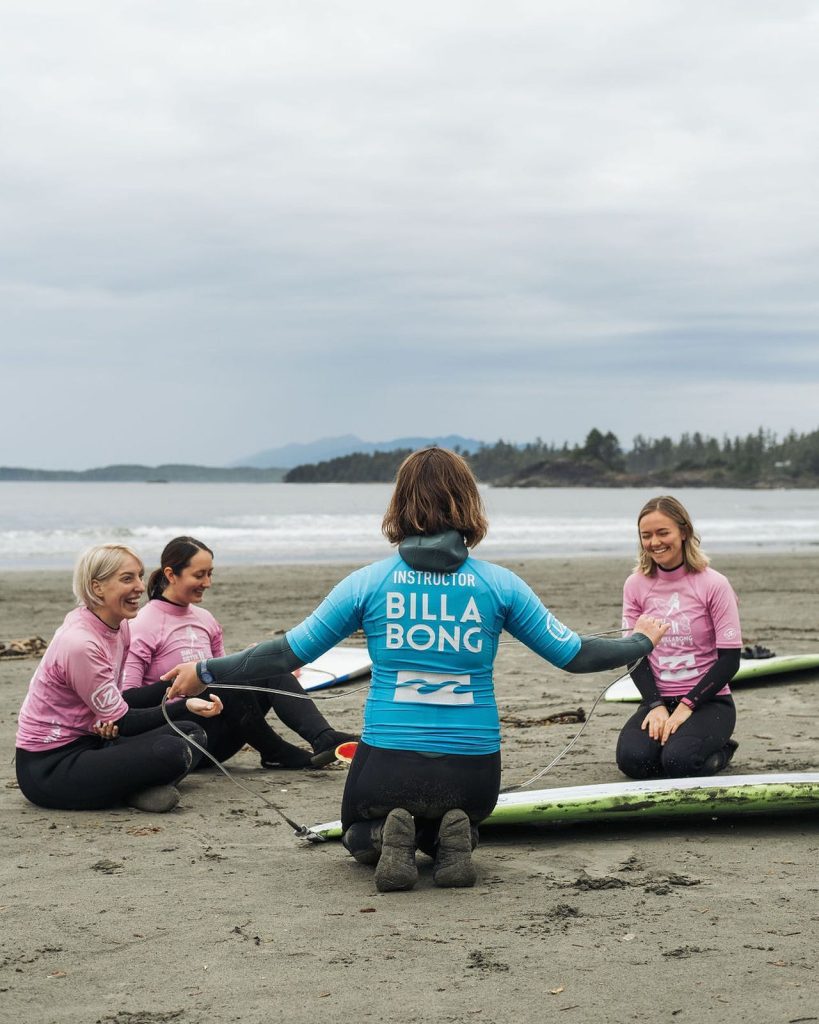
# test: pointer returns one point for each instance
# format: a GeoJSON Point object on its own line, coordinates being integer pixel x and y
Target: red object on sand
{"type": "Point", "coordinates": [346, 751]}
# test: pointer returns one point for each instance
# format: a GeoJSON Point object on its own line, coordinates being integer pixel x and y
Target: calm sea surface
{"type": "Point", "coordinates": [45, 525]}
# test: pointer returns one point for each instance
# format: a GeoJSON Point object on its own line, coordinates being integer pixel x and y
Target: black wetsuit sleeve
{"type": "Point", "coordinates": [646, 683]}
{"type": "Point", "coordinates": [254, 665]}
{"type": "Point", "coordinates": [598, 653]}
{"type": "Point", "coordinates": [147, 696]}
{"type": "Point", "coordinates": [138, 720]}
{"type": "Point", "coordinates": [720, 674]}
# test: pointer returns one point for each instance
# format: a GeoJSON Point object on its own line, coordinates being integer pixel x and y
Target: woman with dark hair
{"type": "Point", "coordinates": [172, 627]}
{"type": "Point", "coordinates": [686, 717]}
{"type": "Point", "coordinates": [428, 768]}
{"type": "Point", "coordinates": [81, 744]}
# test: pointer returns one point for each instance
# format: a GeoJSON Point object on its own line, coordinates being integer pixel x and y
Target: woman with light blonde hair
{"type": "Point", "coordinates": [428, 768]}
{"type": "Point", "coordinates": [80, 746]}
{"type": "Point", "coordinates": [686, 716]}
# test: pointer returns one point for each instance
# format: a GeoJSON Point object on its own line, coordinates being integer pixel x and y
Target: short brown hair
{"type": "Point", "coordinates": [435, 490]}
{"type": "Point", "coordinates": [694, 558]}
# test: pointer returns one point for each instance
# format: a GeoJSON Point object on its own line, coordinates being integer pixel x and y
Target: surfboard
{"type": "Point", "coordinates": [338, 665]}
{"type": "Point", "coordinates": [718, 795]}
{"type": "Point", "coordinates": [750, 670]}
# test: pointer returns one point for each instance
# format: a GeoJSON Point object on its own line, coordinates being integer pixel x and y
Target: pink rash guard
{"type": "Point", "coordinates": [702, 610]}
{"type": "Point", "coordinates": [163, 635]}
{"type": "Point", "coordinates": [78, 682]}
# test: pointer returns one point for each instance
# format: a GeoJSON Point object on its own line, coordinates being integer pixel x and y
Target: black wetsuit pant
{"type": "Point", "coordinates": [243, 719]}
{"type": "Point", "coordinates": [91, 773]}
{"type": "Point", "coordinates": [426, 785]}
{"type": "Point", "coordinates": [688, 752]}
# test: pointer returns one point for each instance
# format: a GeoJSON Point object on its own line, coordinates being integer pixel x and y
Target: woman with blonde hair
{"type": "Point", "coordinates": [80, 746]}
{"type": "Point", "coordinates": [428, 768]}
{"type": "Point", "coordinates": [686, 717]}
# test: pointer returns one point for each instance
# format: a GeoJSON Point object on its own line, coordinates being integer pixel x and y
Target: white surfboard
{"type": "Point", "coordinates": [761, 670]}
{"type": "Point", "coordinates": [338, 665]}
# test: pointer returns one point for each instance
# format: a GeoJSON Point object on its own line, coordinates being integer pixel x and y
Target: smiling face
{"type": "Point", "coordinates": [119, 595]}
{"type": "Point", "coordinates": [662, 539]}
{"type": "Point", "coordinates": [189, 586]}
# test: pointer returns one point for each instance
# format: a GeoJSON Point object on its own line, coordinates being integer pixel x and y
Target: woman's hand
{"type": "Point", "coordinates": [107, 730]}
{"type": "Point", "coordinates": [186, 682]}
{"type": "Point", "coordinates": [204, 708]}
{"type": "Point", "coordinates": [654, 629]}
{"type": "Point", "coordinates": [682, 712]}
{"type": "Point", "coordinates": [655, 722]}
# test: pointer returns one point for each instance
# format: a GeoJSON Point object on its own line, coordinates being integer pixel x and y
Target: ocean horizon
{"type": "Point", "coordinates": [45, 525]}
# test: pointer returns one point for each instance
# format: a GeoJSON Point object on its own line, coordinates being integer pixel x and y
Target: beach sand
{"type": "Point", "coordinates": [215, 913]}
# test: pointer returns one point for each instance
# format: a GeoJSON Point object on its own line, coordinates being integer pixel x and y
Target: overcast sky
{"type": "Point", "coordinates": [225, 226]}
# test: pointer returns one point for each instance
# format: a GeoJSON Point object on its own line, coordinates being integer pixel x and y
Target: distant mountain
{"type": "Point", "coordinates": [325, 448]}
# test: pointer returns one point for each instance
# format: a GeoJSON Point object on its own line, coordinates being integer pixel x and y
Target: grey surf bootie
{"type": "Point", "coordinates": [453, 867]}
{"type": "Point", "coordinates": [396, 869]}
{"type": "Point", "coordinates": [155, 799]}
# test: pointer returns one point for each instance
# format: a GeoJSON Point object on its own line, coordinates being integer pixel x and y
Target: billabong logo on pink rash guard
{"type": "Point", "coordinates": [730, 634]}
{"type": "Point", "coordinates": [105, 698]}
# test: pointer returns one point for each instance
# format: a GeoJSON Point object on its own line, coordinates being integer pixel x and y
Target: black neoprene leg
{"type": "Point", "coordinates": [638, 755]}
{"type": "Point", "coordinates": [90, 774]}
{"type": "Point", "coordinates": [705, 733]}
{"type": "Point", "coordinates": [685, 754]}
{"type": "Point", "coordinates": [298, 714]}
{"type": "Point", "coordinates": [380, 780]}
{"type": "Point", "coordinates": [243, 722]}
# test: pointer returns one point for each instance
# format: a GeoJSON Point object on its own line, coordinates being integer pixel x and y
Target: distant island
{"type": "Point", "coordinates": [166, 474]}
{"type": "Point", "coordinates": [757, 460]}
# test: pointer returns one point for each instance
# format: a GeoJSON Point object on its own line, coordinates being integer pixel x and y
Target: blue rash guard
{"type": "Point", "coordinates": [432, 638]}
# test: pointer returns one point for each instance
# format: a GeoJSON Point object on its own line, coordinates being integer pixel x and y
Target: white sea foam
{"type": "Point", "coordinates": [47, 525]}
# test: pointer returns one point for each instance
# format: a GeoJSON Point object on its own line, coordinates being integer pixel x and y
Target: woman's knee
{"type": "Point", "coordinates": [176, 752]}
{"type": "Point", "coordinates": [683, 757]}
{"type": "Point", "coordinates": [638, 760]}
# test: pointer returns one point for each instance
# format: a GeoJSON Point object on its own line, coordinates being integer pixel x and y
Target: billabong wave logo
{"type": "Point", "coordinates": [556, 628]}
{"type": "Point", "coordinates": [105, 698]}
{"type": "Point", "coordinates": [433, 688]}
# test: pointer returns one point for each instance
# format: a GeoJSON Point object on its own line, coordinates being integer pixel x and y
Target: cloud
{"type": "Point", "coordinates": [357, 217]}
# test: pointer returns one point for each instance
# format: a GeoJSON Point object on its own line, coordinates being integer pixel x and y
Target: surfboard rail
{"type": "Point", "coordinates": [750, 670]}
{"type": "Point", "coordinates": [718, 795]}
{"type": "Point", "coordinates": [339, 665]}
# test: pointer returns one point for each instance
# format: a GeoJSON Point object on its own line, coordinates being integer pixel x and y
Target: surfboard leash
{"type": "Point", "coordinates": [300, 831]}
{"type": "Point", "coordinates": [573, 740]}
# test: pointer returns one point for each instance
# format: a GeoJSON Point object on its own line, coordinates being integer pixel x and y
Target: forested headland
{"type": "Point", "coordinates": [694, 460]}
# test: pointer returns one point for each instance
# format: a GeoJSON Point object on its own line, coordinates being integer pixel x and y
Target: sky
{"type": "Point", "coordinates": [227, 226]}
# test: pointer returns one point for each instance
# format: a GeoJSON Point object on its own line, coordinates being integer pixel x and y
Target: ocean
{"type": "Point", "coordinates": [45, 525]}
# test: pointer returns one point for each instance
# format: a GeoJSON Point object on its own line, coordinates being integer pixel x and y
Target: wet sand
{"type": "Point", "coordinates": [215, 913]}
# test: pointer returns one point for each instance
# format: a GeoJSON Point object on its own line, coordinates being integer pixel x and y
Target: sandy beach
{"type": "Point", "coordinates": [215, 913]}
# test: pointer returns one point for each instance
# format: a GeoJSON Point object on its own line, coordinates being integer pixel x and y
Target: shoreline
{"type": "Point", "coordinates": [215, 913]}
{"type": "Point", "coordinates": [761, 550]}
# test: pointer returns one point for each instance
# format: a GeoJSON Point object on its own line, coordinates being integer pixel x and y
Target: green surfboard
{"type": "Point", "coordinates": [750, 671]}
{"type": "Point", "coordinates": [719, 795]}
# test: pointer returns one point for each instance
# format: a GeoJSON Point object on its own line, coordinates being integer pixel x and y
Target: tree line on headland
{"type": "Point", "coordinates": [695, 460]}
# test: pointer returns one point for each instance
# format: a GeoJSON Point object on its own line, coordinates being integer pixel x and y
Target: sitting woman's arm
{"type": "Point", "coordinates": [719, 675]}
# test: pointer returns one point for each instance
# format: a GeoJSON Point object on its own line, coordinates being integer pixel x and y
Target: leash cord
{"type": "Point", "coordinates": [572, 741]}
{"type": "Point", "coordinates": [300, 831]}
